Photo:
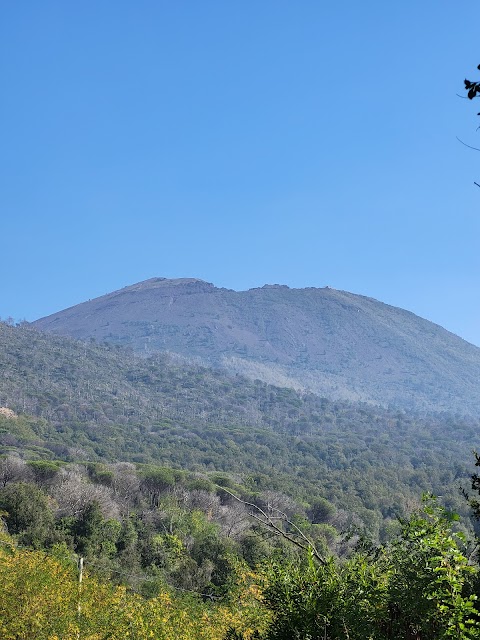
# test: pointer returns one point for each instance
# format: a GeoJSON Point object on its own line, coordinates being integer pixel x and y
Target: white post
{"type": "Point", "coordinates": [79, 605]}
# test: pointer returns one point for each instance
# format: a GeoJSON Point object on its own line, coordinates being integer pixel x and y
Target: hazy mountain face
{"type": "Point", "coordinates": [333, 343]}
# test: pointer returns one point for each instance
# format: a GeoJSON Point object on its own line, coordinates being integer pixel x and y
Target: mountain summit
{"type": "Point", "coordinates": [330, 342]}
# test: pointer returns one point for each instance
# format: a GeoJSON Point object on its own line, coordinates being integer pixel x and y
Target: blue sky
{"type": "Point", "coordinates": [304, 143]}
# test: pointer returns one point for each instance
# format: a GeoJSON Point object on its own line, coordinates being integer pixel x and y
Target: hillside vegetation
{"type": "Point", "coordinates": [207, 505]}
{"type": "Point", "coordinates": [420, 586]}
{"type": "Point", "coordinates": [87, 402]}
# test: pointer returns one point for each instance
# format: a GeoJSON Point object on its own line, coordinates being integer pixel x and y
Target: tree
{"type": "Point", "coordinates": [44, 471]}
{"type": "Point", "coordinates": [431, 580]}
{"type": "Point", "coordinates": [475, 478]}
{"type": "Point", "coordinates": [28, 514]}
{"type": "Point", "coordinates": [13, 468]}
{"type": "Point", "coordinates": [155, 481]}
{"type": "Point", "coordinates": [418, 587]}
{"type": "Point", "coordinates": [74, 493]}
{"type": "Point", "coordinates": [94, 536]}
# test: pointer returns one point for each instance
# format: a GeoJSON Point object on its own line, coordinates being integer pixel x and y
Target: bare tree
{"type": "Point", "coordinates": [234, 520]}
{"type": "Point", "coordinates": [205, 501]}
{"type": "Point", "coordinates": [13, 469]}
{"type": "Point", "coordinates": [125, 485]}
{"type": "Point", "coordinates": [74, 493]}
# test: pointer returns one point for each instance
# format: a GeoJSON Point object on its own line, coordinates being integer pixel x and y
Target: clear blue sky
{"type": "Point", "coordinates": [307, 143]}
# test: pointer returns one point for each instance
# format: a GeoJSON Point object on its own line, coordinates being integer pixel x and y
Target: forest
{"type": "Point", "coordinates": [78, 402]}
{"type": "Point", "coordinates": [150, 497]}
{"type": "Point", "coordinates": [111, 551]}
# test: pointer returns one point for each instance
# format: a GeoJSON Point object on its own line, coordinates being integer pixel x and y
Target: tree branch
{"type": "Point", "coordinates": [467, 145]}
{"type": "Point", "coordinates": [269, 521]}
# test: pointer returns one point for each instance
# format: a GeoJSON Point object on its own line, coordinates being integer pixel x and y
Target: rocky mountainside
{"type": "Point", "coordinates": [333, 343]}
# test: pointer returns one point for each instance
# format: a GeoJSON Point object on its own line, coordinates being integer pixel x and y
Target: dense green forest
{"type": "Point", "coordinates": [421, 584]}
{"type": "Point", "coordinates": [210, 506]}
{"type": "Point", "coordinates": [86, 402]}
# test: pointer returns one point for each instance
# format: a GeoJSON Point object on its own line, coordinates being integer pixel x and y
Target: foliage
{"type": "Point", "coordinates": [41, 600]}
{"type": "Point", "coordinates": [98, 403]}
{"type": "Point", "coordinates": [472, 88]}
{"type": "Point", "coordinates": [28, 513]}
{"type": "Point", "coordinates": [39, 595]}
{"type": "Point", "coordinates": [431, 581]}
{"type": "Point", "coordinates": [418, 586]}
{"type": "Point", "coordinates": [184, 542]}
{"type": "Point", "coordinates": [44, 470]}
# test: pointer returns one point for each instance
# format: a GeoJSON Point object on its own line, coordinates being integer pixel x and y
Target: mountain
{"type": "Point", "coordinates": [333, 343]}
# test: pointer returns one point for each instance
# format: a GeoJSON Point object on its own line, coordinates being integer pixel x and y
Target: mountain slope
{"type": "Point", "coordinates": [333, 343]}
{"type": "Point", "coordinates": [98, 402]}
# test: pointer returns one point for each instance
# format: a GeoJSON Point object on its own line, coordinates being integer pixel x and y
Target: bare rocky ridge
{"type": "Point", "coordinates": [333, 343]}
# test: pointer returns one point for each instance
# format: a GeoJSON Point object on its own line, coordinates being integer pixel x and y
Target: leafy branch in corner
{"type": "Point", "coordinates": [473, 91]}
{"type": "Point", "coordinates": [472, 88]}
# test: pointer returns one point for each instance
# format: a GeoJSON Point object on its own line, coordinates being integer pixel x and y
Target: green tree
{"type": "Point", "coordinates": [155, 482]}
{"type": "Point", "coordinates": [418, 587]}
{"type": "Point", "coordinates": [44, 470]}
{"type": "Point", "coordinates": [29, 515]}
{"type": "Point", "coordinates": [94, 536]}
{"type": "Point", "coordinates": [431, 580]}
